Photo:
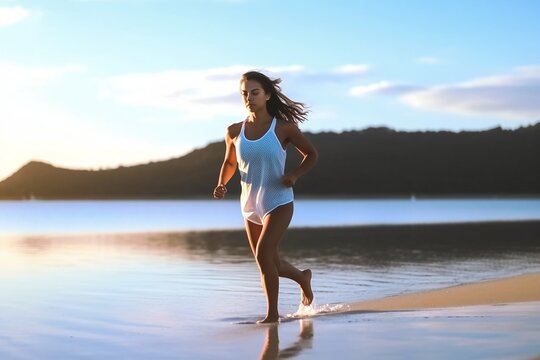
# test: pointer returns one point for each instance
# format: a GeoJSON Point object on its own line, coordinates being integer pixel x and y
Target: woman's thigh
{"type": "Point", "coordinates": [274, 226]}
{"type": "Point", "coordinates": [253, 232]}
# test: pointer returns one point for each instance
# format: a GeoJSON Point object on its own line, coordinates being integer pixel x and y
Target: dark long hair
{"type": "Point", "coordinates": [279, 105]}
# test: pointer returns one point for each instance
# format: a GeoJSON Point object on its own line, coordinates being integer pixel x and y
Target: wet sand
{"type": "Point", "coordinates": [514, 289]}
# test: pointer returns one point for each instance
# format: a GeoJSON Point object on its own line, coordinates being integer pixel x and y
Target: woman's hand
{"type": "Point", "coordinates": [220, 191]}
{"type": "Point", "coordinates": [288, 180]}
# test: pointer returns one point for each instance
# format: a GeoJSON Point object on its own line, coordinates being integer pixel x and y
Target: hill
{"type": "Point", "coordinates": [371, 162]}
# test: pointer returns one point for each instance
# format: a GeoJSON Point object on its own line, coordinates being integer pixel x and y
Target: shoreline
{"type": "Point", "coordinates": [508, 290]}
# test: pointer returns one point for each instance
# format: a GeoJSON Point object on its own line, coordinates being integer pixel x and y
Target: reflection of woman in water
{"type": "Point", "coordinates": [257, 146]}
{"type": "Point", "coordinates": [270, 349]}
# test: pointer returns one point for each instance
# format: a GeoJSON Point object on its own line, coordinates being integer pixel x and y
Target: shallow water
{"type": "Point", "coordinates": [184, 295]}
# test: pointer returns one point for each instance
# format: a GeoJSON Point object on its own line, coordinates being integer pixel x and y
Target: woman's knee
{"type": "Point", "coordinates": [265, 258]}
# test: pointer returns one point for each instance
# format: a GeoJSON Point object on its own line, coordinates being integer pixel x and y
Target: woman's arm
{"type": "Point", "coordinates": [304, 147]}
{"type": "Point", "coordinates": [229, 164]}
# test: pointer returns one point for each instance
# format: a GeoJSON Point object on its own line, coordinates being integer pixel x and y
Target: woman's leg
{"type": "Point", "coordinates": [289, 271]}
{"type": "Point", "coordinates": [266, 254]}
{"type": "Point", "coordinates": [285, 269]}
{"type": "Point", "coordinates": [253, 232]}
{"type": "Point", "coordinates": [303, 278]}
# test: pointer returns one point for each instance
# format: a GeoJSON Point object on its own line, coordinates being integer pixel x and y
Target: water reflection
{"type": "Point", "coordinates": [271, 348]}
{"type": "Point", "coordinates": [369, 246]}
{"type": "Point", "coordinates": [375, 246]}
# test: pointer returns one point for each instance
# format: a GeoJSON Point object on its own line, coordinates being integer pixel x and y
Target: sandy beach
{"type": "Point", "coordinates": [516, 289]}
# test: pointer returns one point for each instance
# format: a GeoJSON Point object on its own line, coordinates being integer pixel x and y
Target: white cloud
{"type": "Point", "coordinates": [200, 94]}
{"type": "Point", "coordinates": [382, 87]}
{"type": "Point", "coordinates": [351, 69]}
{"type": "Point", "coordinates": [375, 88]}
{"type": "Point", "coordinates": [12, 15]}
{"type": "Point", "coordinates": [513, 96]}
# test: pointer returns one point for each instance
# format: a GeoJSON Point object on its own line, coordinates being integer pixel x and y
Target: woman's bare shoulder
{"type": "Point", "coordinates": [234, 129]}
{"type": "Point", "coordinates": [287, 127]}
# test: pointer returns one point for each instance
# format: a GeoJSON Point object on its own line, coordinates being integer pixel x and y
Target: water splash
{"type": "Point", "coordinates": [314, 310]}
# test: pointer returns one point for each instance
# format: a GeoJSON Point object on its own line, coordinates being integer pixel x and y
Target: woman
{"type": "Point", "coordinates": [257, 146]}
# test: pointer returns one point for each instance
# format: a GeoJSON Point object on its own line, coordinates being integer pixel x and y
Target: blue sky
{"type": "Point", "coordinates": [99, 83]}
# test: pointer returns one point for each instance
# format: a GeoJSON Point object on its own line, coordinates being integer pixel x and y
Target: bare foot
{"type": "Point", "coordinates": [269, 320]}
{"type": "Point", "coordinates": [307, 293]}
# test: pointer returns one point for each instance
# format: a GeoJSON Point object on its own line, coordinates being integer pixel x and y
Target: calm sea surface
{"type": "Point", "coordinates": [126, 280]}
{"type": "Point", "coordinates": [61, 217]}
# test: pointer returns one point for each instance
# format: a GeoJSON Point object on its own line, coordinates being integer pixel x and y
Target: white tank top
{"type": "Point", "coordinates": [261, 164]}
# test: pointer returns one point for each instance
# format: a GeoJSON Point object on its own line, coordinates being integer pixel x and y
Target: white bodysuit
{"type": "Point", "coordinates": [261, 164]}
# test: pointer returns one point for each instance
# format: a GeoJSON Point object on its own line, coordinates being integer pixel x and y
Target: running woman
{"type": "Point", "coordinates": [257, 146]}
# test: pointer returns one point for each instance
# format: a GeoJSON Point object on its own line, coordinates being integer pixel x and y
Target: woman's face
{"type": "Point", "coordinates": [253, 95]}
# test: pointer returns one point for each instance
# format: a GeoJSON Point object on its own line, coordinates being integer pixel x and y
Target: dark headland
{"type": "Point", "coordinates": [371, 162]}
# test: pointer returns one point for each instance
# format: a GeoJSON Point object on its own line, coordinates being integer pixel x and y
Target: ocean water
{"type": "Point", "coordinates": [151, 280]}
{"type": "Point", "coordinates": [188, 295]}
{"type": "Point", "coordinates": [61, 217]}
